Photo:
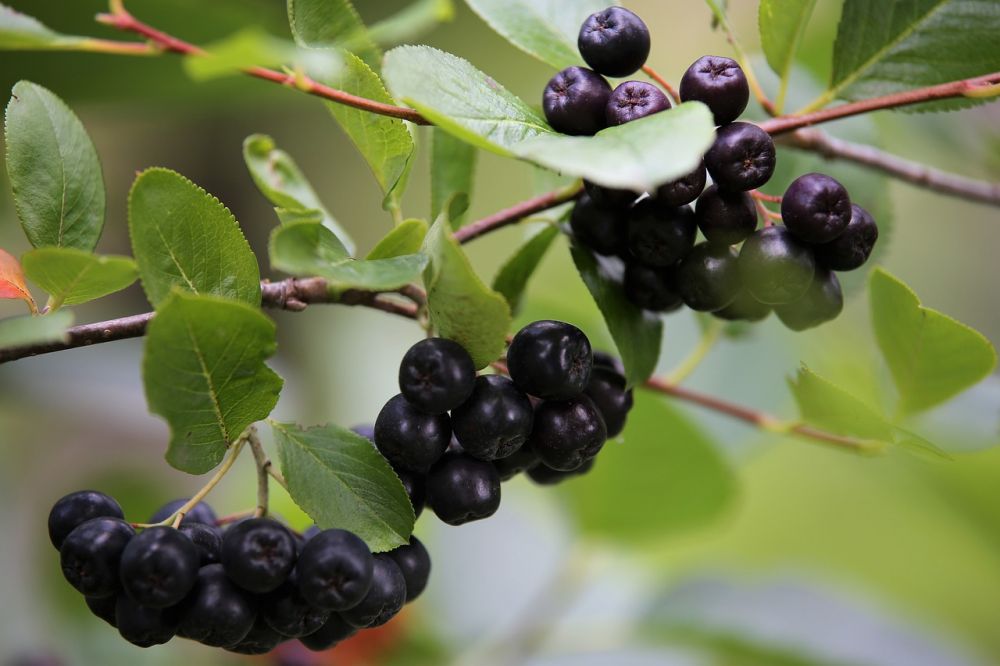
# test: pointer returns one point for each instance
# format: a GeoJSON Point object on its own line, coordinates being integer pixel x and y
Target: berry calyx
{"type": "Point", "coordinates": [335, 570]}
{"type": "Point", "coordinates": [725, 217]}
{"type": "Point", "coordinates": [568, 433]}
{"type": "Point", "coordinates": [742, 157]}
{"type": "Point", "coordinates": [821, 303]}
{"type": "Point", "coordinates": [607, 390]}
{"type": "Point", "coordinates": [495, 421]}
{"type": "Point", "coordinates": [258, 554]}
{"type": "Point", "coordinates": [708, 278]}
{"type": "Point", "coordinates": [614, 42]}
{"type": "Point", "coordinates": [409, 438]}
{"type": "Point", "coordinates": [601, 229]}
{"type": "Point", "coordinates": [720, 84]}
{"type": "Point", "coordinates": [385, 597]}
{"type": "Point", "coordinates": [217, 613]}
{"type": "Point", "coordinates": [461, 489]}
{"type": "Point", "coordinates": [159, 567]}
{"type": "Point", "coordinates": [660, 235]}
{"type": "Point", "coordinates": [816, 208]}
{"type": "Point", "coordinates": [436, 375]}
{"type": "Point", "coordinates": [650, 288]}
{"type": "Point", "coordinates": [90, 555]}
{"type": "Point", "coordinates": [684, 190]}
{"type": "Point", "coordinates": [851, 249]}
{"type": "Point", "coordinates": [776, 268]}
{"type": "Point", "coordinates": [633, 100]}
{"type": "Point", "coordinates": [550, 360]}
{"type": "Point", "coordinates": [77, 508]}
{"type": "Point", "coordinates": [575, 100]}
{"type": "Point", "coordinates": [415, 563]}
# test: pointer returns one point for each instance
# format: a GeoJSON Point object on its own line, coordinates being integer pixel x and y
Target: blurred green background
{"type": "Point", "coordinates": [695, 540]}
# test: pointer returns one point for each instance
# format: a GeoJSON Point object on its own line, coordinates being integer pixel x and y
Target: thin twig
{"type": "Point", "coordinates": [262, 462]}
{"type": "Point", "coordinates": [653, 74]}
{"type": "Point", "coordinates": [517, 213]}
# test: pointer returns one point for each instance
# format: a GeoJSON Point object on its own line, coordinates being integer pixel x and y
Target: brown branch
{"type": "Point", "coordinates": [653, 74]}
{"type": "Point", "coordinates": [517, 212]}
{"type": "Point", "coordinates": [908, 171]}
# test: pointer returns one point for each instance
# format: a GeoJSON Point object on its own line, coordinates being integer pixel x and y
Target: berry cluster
{"type": "Point", "coordinates": [737, 272]}
{"type": "Point", "coordinates": [452, 436]}
{"type": "Point", "coordinates": [246, 588]}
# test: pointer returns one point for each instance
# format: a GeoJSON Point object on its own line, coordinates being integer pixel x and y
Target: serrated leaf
{"type": "Point", "coordinates": [384, 142]}
{"type": "Point", "coordinates": [204, 373]}
{"type": "Point", "coordinates": [639, 155]}
{"type": "Point", "coordinates": [453, 170]}
{"type": "Point", "coordinates": [341, 481]}
{"type": "Point", "coordinates": [682, 475]}
{"type": "Point", "coordinates": [184, 237]}
{"type": "Point", "coordinates": [637, 333]}
{"type": "Point", "coordinates": [73, 276]}
{"type": "Point", "coordinates": [782, 24]}
{"type": "Point", "coordinates": [461, 307]}
{"type": "Point", "coordinates": [323, 24]}
{"type": "Point", "coordinates": [827, 406]}
{"type": "Point", "coordinates": [12, 283]}
{"type": "Point", "coordinates": [30, 330]}
{"type": "Point", "coordinates": [54, 171]}
{"type": "Point", "coordinates": [407, 238]}
{"type": "Point", "coordinates": [512, 278]}
{"type": "Point", "coordinates": [931, 356]}
{"type": "Point", "coordinates": [279, 178]}
{"type": "Point", "coordinates": [883, 48]}
{"type": "Point", "coordinates": [22, 32]}
{"type": "Point", "coordinates": [460, 99]}
{"type": "Point", "coordinates": [545, 29]}
{"type": "Point", "coordinates": [412, 21]}
{"type": "Point", "coordinates": [309, 248]}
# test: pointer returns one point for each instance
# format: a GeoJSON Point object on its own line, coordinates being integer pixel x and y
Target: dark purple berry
{"type": "Point", "coordinates": [726, 217]}
{"type": "Point", "coordinates": [568, 433]}
{"type": "Point", "coordinates": [261, 639]}
{"type": "Point", "coordinates": [104, 608]}
{"type": "Point", "coordinates": [91, 553]}
{"type": "Point", "coordinates": [332, 632]}
{"type": "Point", "coordinates": [495, 421]}
{"type": "Point", "coordinates": [660, 235]}
{"type": "Point", "coordinates": [77, 508]}
{"type": "Point", "coordinates": [258, 554]}
{"type": "Point", "coordinates": [742, 157]}
{"type": "Point", "coordinates": [520, 461]}
{"type": "Point", "coordinates": [614, 41]}
{"type": "Point", "coordinates": [575, 100]}
{"type": "Point", "coordinates": [436, 375]}
{"type": "Point", "coordinates": [206, 538]}
{"type": "Point", "coordinates": [461, 489]}
{"type": "Point", "coordinates": [414, 485]}
{"type": "Point", "coordinates": [159, 567]}
{"type": "Point", "coordinates": [143, 626]}
{"type": "Point", "coordinates": [601, 229]}
{"type": "Point", "coordinates": [409, 438]}
{"type": "Point", "coordinates": [851, 248]}
{"type": "Point", "coordinates": [708, 279]}
{"type": "Point", "coordinates": [744, 308]}
{"type": "Point", "coordinates": [821, 303]}
{"type": "Point", "coordinates": [633, 100]}
{"type": "Point", "coordinates": [201, 513]}
{"type": "Point", "coordinates": [287, 612]}
{"type": "Point", "coordinates": [335, 570]}
{"type": "Point", "coordinates": [217, 613]}
{"type": "Point", "coordinates": [550, 360]}
{"type": "Point", "coordinates": [816, 208]}
{"type": "Point", "coordinates": [385, 597]}
{"type": "Point", "coordinates": [684, 190]}
{"type": "Point", "coordinates": [415, 563]}
{"type": "Point", "coordinates": [544, 475]}
{"type": "Point", "coordinates": [776, 268]}
{"type": "Point", "coordinates": [608, 197]}
{"type": "Point", "coordinates": [650, 288]}
{"type": "Point", "coordinates": [613, 400]}
{"type": "Point", "coordinates": [603, 359]}
{"type": "Point", "coordinates": [720, 84]}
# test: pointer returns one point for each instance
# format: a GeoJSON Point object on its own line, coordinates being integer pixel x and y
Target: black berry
{"type": "Point", "coordinates": [720, 84]}
{"type": "Point", "coordinates": [77, 508]}
{"type": "Point", "coordinates": [461, 489]}
{"type": "Point", "coordinates": [436, 375]}
{"type": "Point", "coordinates": [207, 539]}
{"type": "Point", "coordinates": [409, 438]}
{"type": "Point", "coordinates": [660, 235]}
{"type": "Point", "coordinates": [816, 208]}
{"type": "Point", "coordinates": [520, 461]}
{"type": "Point", "coordinates": [550, 360]}
{"type": "Point", "coordinates": [159, 567]}
{"type": "Point", "coordinates": [495, 421]}
{"type": "Point", "coordinates": [568, 433]}
{"type": "Point", "coordinates": [608, 197]}
{"type": "Point", "coordinates": [851, 248]}
{"type": "Point", "coordinates": [633, 100]}
{"type": "Point", "coordinates": [91, 553]}
{"type": "Point", "coordinates": [261, 639]}
{"type": "Point", "coordinates": [650, 288]}
{"type": "Point", "coordinates": [385, 598]}
{"type": "Point", "coordinates": [104, 608]}
{"type": "Point", "coordinates": [415, 563]}
{"type": "Point", "coordinates": [776, 268]}
{"type": "Point", "coordinates": [708, 279]}
{"type": "Point", "coordinates": [143, 626]}
{"type": "Point", "coordinates": [335, 570]}
{"type": "Point", "coordinates": [742, 157]}
{"type": "Point", "coordinates": [287, 612]}
{"type": "Point", "coordinates": [415, 486]}
{"type": "Point", "coordinates": [725, 217]}
{"type": "Point", "coordinates": [614, 41]}
{"type": "Point", "coordinates": [332, 632]}
{"type": "Point", "coordinates": [258, 554]}
{"type": "Point", "coordinates": [607, 390]}
{"type": "Point", "coordinates": [544, 475]}
{"type": "Point", "coordinates": [603, 359]}
{"type": "Point", "coordinates": [575, 100]}
{"type": "Point", "coordinates": [602, 229]}
{"type": "Point", "coordinates": [744, 308]}
{"type": "Point", "coordinates": [217, 613]}
{"type": "Point", "coordinates": [201, 513]}
{"type": "Point", "coordinates": [821, 303]}
{"type": "Point", "coordinates": [684, 190]}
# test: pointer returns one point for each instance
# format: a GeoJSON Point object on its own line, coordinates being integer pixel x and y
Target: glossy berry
{"type": "Point", "coordinates": [201, 513]}
{"type": "Point", "coordinates": [720, 84]}
{"type": "Point", "coordinates": [575, 100]}
{"type": "Point", "coordinates": [261, 639]}
{"type": "Point", "coordinates": [742, 157]}
{"type": "Point", "coordinates": [651, 288]}
{"type": "Point", "coordinates": [520, 461]}
{"type": "Point", "coordinates": [816, 208]}
{"type": "Point", "coordinates": [287, 612]}
{"type": "Point", "coordinates": [91, 553]}
{"type": "Point", "coordinates": [744, 308]}
{"type": "Point", "coordinates": [143, 626]}
{"type": "Point", "coordinates": [436, 375]}
{"type": "Point", "coordinates": [776, 268]}
{"type": "Point", "coordinates": [660, 235]}
{"type": "Point", "coordinates": [496, 421]}
{"type": "Point", "coordinates": [461, 489]}
{"type": "Point", "coordinates": [544, 475]}
{"type": "Point", "coordinates": [409, 438]}
{"type": "Point", "coordinates": [104, 608]}
{"type": "Point", "coordinates": [334, 630]}
{"type": "Point", "coordinates": [853, 246]}
{"type": "Point", "coordinates": [568, 433]}
{"type": "Point", "coordinates": [603, 359]}
{"type": "Point", "coordinates": [684, 190]}
{"type": "Point", "coordinates": [608, 197]}
{"type": "Point", "coordinates": [77, 508]}
{"type": "Point", "coordinates": [415, 563]}
{"type": "Point", "coordinates": [335, 570]}
{"type": "Point", "coordinates": [385, 597]}
{"type": "Point", "coordinates": [633, 100]}
{"type": "Point", "coordinates": [550, 360]}
{"type": "Point", "coordinates": [607, 390]}
{"type": "Point", "coordinates": [217, 613]}
{"type": "Point", "coordinates": [415, 486]}
{"type": "Point", "coordinates": [821, 303]}
{"type": "Point", "coordinates": [725, 217]}
{"type": "Point", "coordinates": [207, 539]}
{"type": "Point", "coordinates": [601, 229]}
{"type": "Point", "coordinates": [159, 567]}
{"type": "Point", "coordinates": [708, 278]}
{"type": "Point", "coordinates": [258, 554]}
{"type": "Point", "coordinates": [614, 41]}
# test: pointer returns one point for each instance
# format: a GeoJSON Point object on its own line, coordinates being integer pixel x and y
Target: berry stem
{"type": "Point", "coordinates": [518, 212]}
{"type": "Point", "coordinates": [653, 74]}
{"type": "Point", "coordinates": [760, 196]}
{"type": "Point", "coordinates": [744, 60]}
{"type": "Point", "coordinates": [262, 462]}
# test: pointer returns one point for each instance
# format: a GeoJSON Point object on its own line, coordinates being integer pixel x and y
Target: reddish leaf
{"type": "Point", "coordinates": [12, 280]}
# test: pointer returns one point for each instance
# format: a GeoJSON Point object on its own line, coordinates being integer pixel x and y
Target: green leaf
{"type": "Point", "coordinates": [253, 47]}
{"type": "Point", "coordinates": [827, 406]}
{"type": "Point", "coordinates": [184, 237]}
{"type": "Point", "coordinates": [279, 178]}
{"type": "Point", "coordinates": [341, 481]}
{"type": "Point", "coordinates": [512, 278]}
{"type": "Point", "coordinates": [323, 24]}
{"type": "Point", "coordinates": [637, 333]}
{"type": "Point", "coordinates": [407, 238]}
{"type": "Point", "coordinates": [453, 167]}
{"type": "Point", "coordinates": [665, 479]}
{"type": "Point", "coordinates": [309, 248]}
{"type": "Point", "coordinates": [782, 24]}
{"type": "Point", "coordinates": [639, 155]}
{"type": "Point", "coordinates": [545, 29]}
{"type": "Point", "coordinates": [931, 356]}
{"type": "Point", "coordinates": [73, 276]}
{"type": "Point", "coordinates": [460, 99]}
{"type": "Point", "coordinates": [882, 49]}
{"type": "Point", "coordinates": [412, 21]}
{"type": "Point", "coordinates": [30, 330]}
{"type": "Point", "coordinates": [204, 373]}
{"type": "Point", "coordinates": [461, 307]}
{"type": "Point", "coordinates": [384, 142]}
{"type": "Point", "coordinates": [53, 169]}
{"type": "Point", "coordinates": [22, 32]}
